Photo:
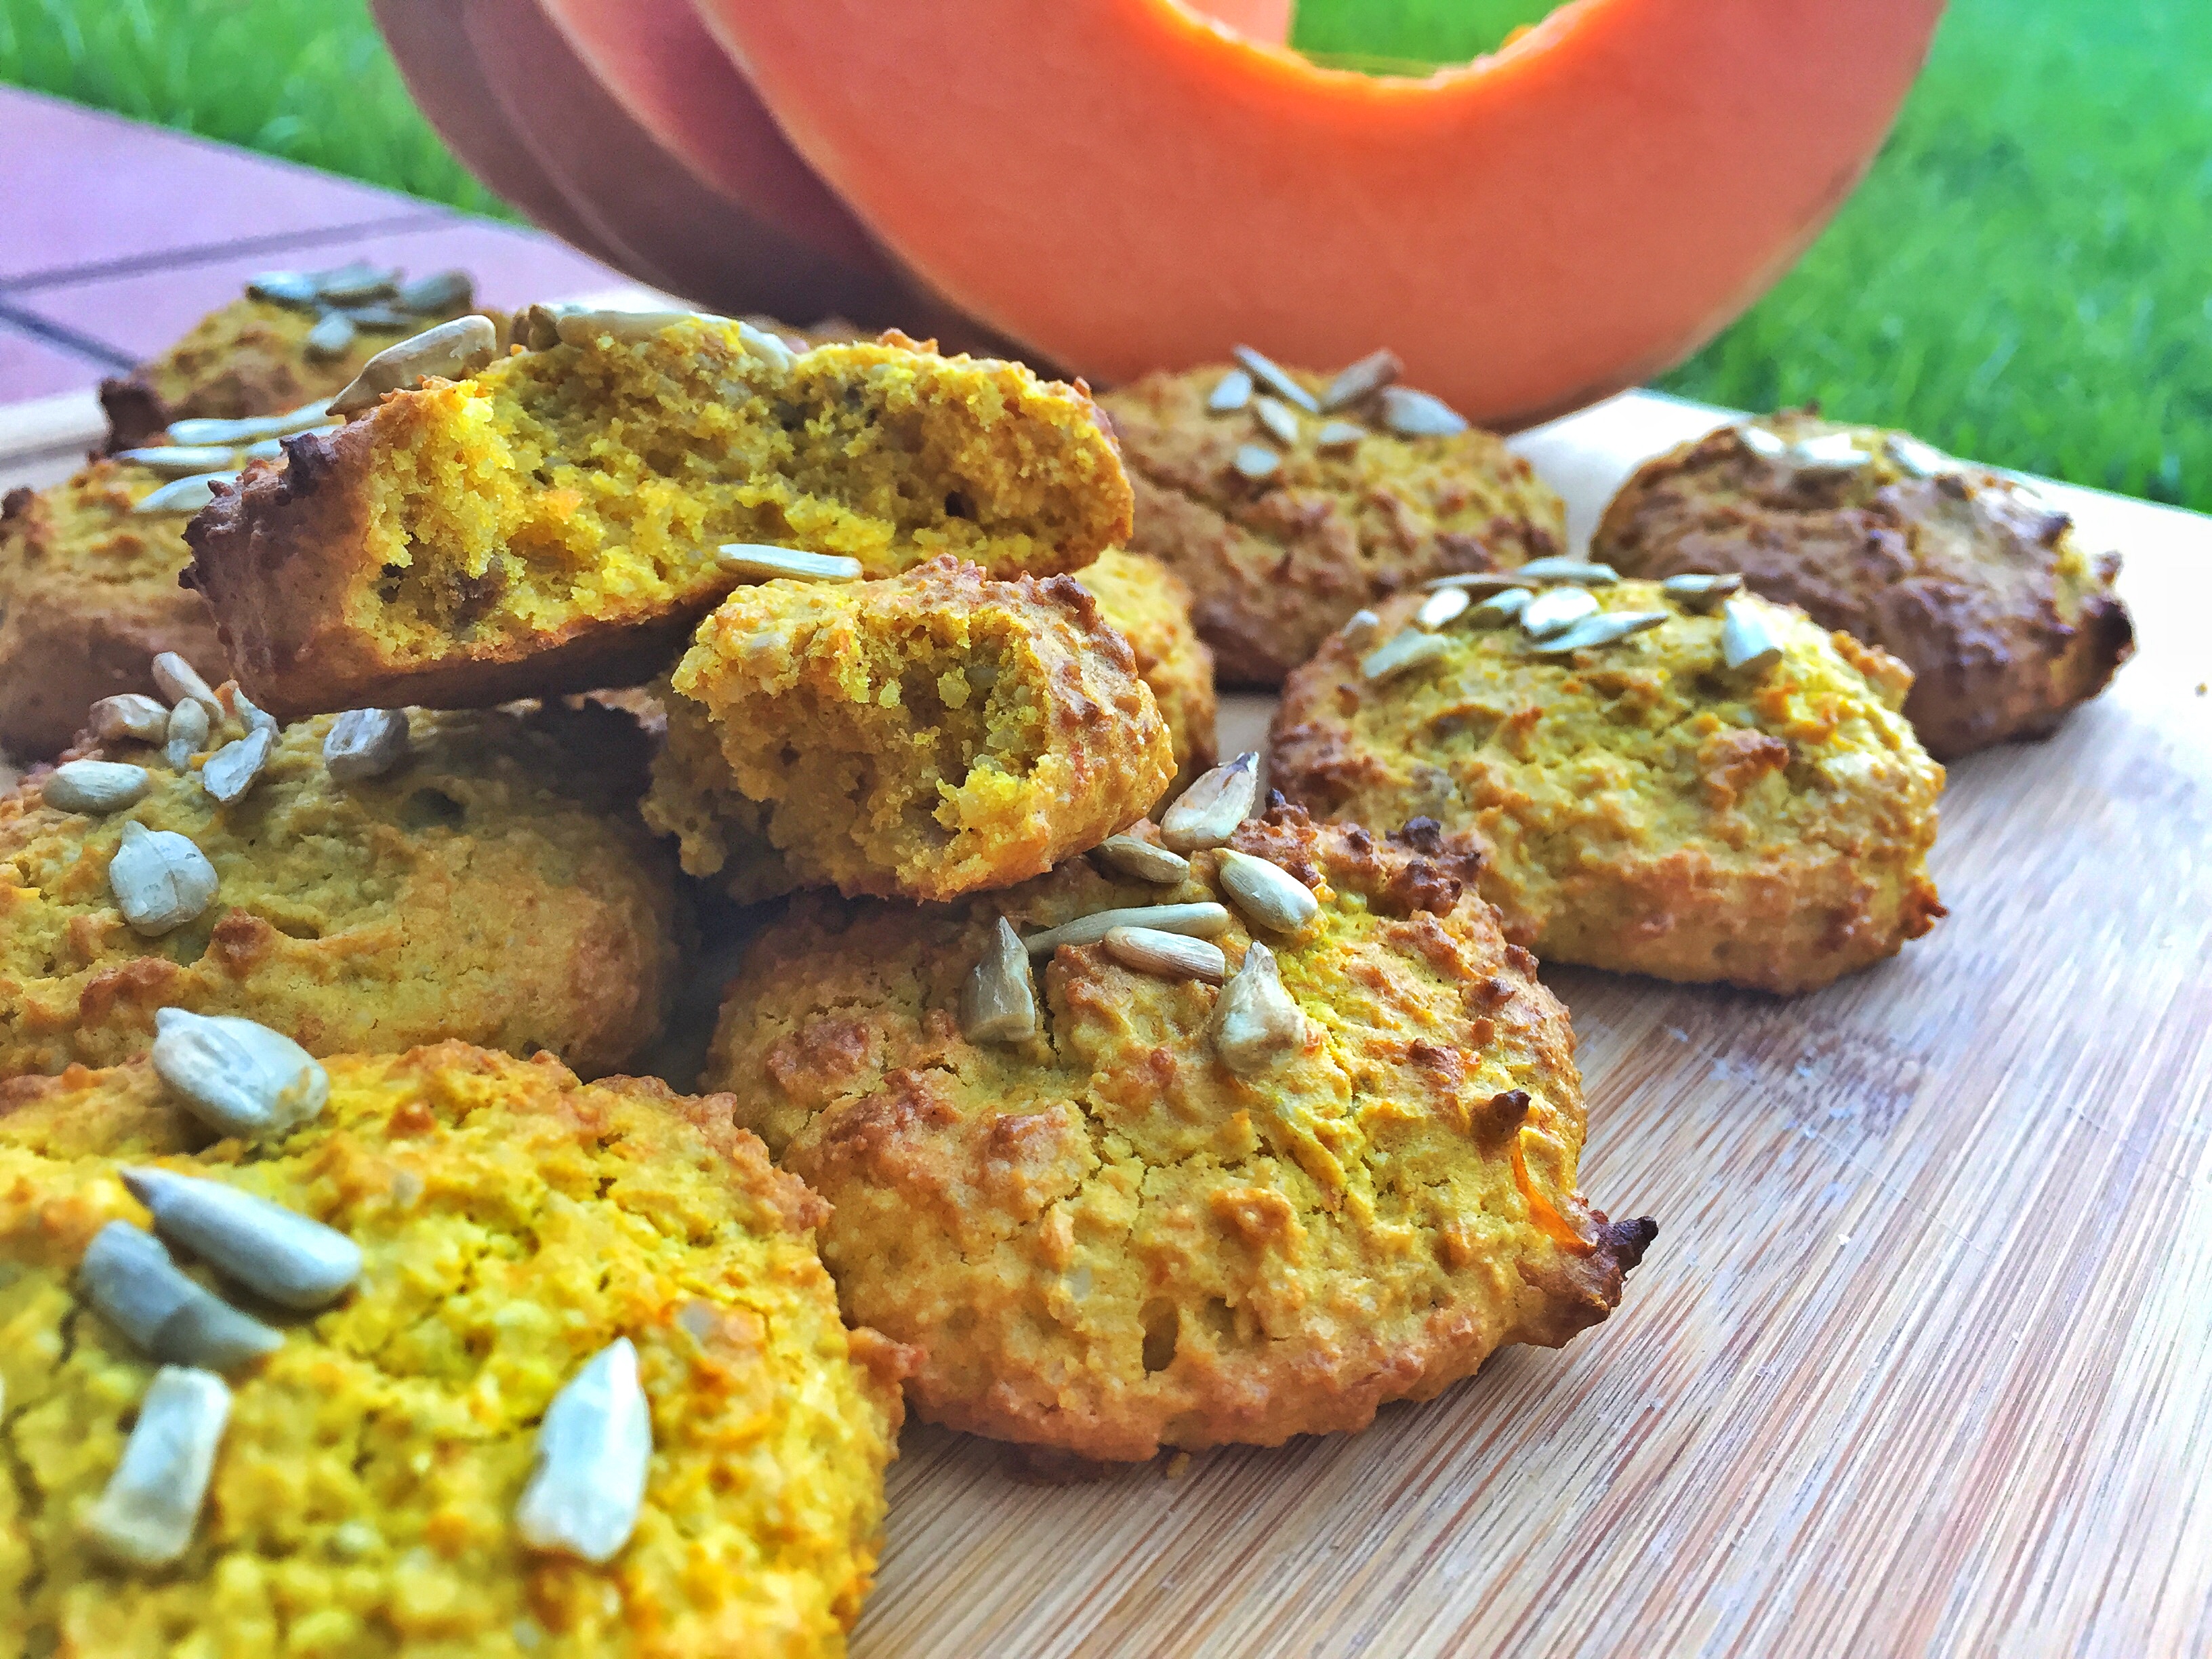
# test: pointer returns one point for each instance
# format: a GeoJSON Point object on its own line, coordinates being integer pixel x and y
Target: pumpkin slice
{"type": "Point", "coordinates": [1121, 184]}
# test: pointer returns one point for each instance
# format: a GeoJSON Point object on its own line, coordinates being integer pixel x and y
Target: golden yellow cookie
{"type": "Point", "coordinates": [551, 525]}
{"type": "Point", "coordinates": [1148, 605]}
{"type": "Point", "coordinates": [1977, 585]}
{"type": "Point", "coordinates": [925, 735]}
{"type": "Point", "coordinates": [513, 1223]}
{"type": "Point", "coordinates": [1100, 1236]}
{"type": "Point", "coordinates": [494, 887]}
{"type": "Point", "coordinates": [1637, 805]}
{"type": "Point", "coordinates": [1275, 561]}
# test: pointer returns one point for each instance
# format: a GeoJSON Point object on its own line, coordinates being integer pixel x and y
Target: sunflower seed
{"type": "Point", "coordinates": [580, 328]}
{"type": "Point", "coordinates": [177, 679]}
{"type": "Point", "coordinates": [1556, 608]}
{"type": "Point", "coordinates": [130, 1279]}
{"type": "Point", "coordinates": [1747, 644]}
{"type": "Point", "coordinates": [1500, 609]}
{"type": "Point", "coordinates": [146, 1514]}
{"type": "Point", "coordinates": [1201, 920]}
{"type": "Point", "coordinates": [250, 430]}
{"type": "Point", "coordinates": [440, 291]}
{"type": "Point", "coordinates": [1267, 893]}
{"type": "Point", "coordinates": [452, 351]}
{"type": "Point", "coordinates": [1207, 813]}
{"type": "Point", "coordinates": [1272, 375]}
{"type": "Point", "coordinates": [130, 714]}
{"type": "Point", "coordinates": [244, 709]}
{"type": "Point", "coordinates": [1482, 581]}
{"type": "Point", "coordinates": [1231, 393]}
{"type": "Point", "coordinates": [594, 1448]}
{"type": "Point", "coordinates": [237, 1076]}
{"type": "Point", "coordinates": [1402, 651]}
{"type": "Point", "coordinates": [356, 280]}
{"type": "Point", "coordinates": [998, 999]}
{"type": "Point", "coordinates": [1281, 424]}
{"type": "Point", "coordinates": [184, 495]}
{"type": "Point", "coordinates": [1831, 452]}
{"type": "Point", "coordinates": [1607, 628]}
{"type": "Point", "coordinates": [181, 460]}
{"type": "Point", "coordinates": [1767, 445]}
{"type": "Point", "coordinates": [365, 743]}
{"type": "Point", "coordinates": [381, 319]}
{"type": "Point", "coordinates": [1133, 855]}
{"type": "Point", "coordinates": [767, 347]}
{"type": "Point", "coordinates": [1918, 460]}
{"type": "Point", "coordinates": [1255, 1022]}
{"type": "Point", "coordinates": [537, 327]}
{"type": "Point", "coordinates": [1359, 630]}
{"type": "Point", "coordinates": [94, 786]}
{"type": "Point", "coordinates": [1578, 573]}
{"type": "Point", "coordinates": [1360, 379]}
{"type": "Point", "coordinates": [331, 337]}
{"type": "Point", "coordinates": [1440, 607]}
{"type": "Point", "coordinates": [230, 771]}
{"type": "Point", "coordinates": [160, 879]}
{"type": "Point", "coordinates": [295, 289]}
{"type": "Point", "coordinates": [1701, 594]}
{"type": "Point", "coordinates": [1256, 462]}
{"type": "Point", "coordinates": [764, 563]}
{"type": "Point", "coordinates": [1339, 434]}
{"type": "Point", "coordinates": [1411, 414]}
{"type": "Point", "coordinates": [273, 1252]}
{"type": "Point", "coordinates": [189, 730]}
{"type": "Point", "coordinates": [1172, 956]}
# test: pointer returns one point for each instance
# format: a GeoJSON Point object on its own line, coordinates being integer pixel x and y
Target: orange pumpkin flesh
{"type": "Point", "coordinates": [1124, 184]}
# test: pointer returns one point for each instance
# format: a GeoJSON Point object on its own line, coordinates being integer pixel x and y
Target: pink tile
{"type": "Point", "coordinates": [33, 367]}
{"type": "Point", "coordinates": [85, 187]}
{"type": "Point", "coordinates": [141, 313]}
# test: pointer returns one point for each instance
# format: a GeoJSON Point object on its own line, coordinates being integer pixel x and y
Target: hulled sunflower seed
{"type": "Point", "coordinates": [331, 337]}
{"type": "Point", "coordinates": [253, 429]}
{"type": "Point", "coordinates": [243, 709]}
{"type": "Point", "coordinates": [230, 771]}
{"type": "Point", "coordinates": [761, 563]}
{"type": "Point", "coordinates": [1767, 445]}
{"type": "Point", "coordinates": [381, 319]}
{"type": "Point", "coordinates": [580, 328]}
{"type": "Point", "coordinates": [273, 1252]}
{"type": "Point", "coordinates": [1361, 379]}
{"type": "Point", "coordinates": [1276, 416]}
{"type": "Point", "coordinates": [1276, 378]}
{"type": "Point", "coordinates": [182, 460]}
{"type": "Point", "coordinates": [594, 1448]}
{"type": "Point", "coordinates": [767, 347]}
{"type": "Point", "coordinates": [128, 1276]}
{"type": "Point", "coordinates": [1207, 813]}
{"type": "Point", "coordinates": [1577, 573]}
{"type": "Point", "coordinates": [1557, 608]}
{"type": "Point", "coordinates": [131, 714]}
{"type": "Point", "coordinates": [295, 289]}
{"type": "Point", "coordinates": [356, 280]}
{"type": "Point", "coordinates": [184, 495]}
{"type": "Point", "coordinates": [1440, 608]}
{"type": "Point", "coordinates": [1255, 1022]}
{"type": "Point", "coordinates": [1747, 644]}
{"type": "Point", "coordinates": [452, 351]}
{"type": "Point", "coordinates": [365, 743]}
{"type": "Point", "coordinates": [177, 679]}
{"type": "Point", "coordinates": [1133, 855]}
{"type": "Point", "coordinates": [1231, 393]}
{"type": "Point", "coordinates": [160, 879]}
{"type": "Point", "coordinates": [93, 786]}
{"type": "Point", "coordinates": [1339, 434]}
{"type": "Point", "coordinates": [146, 1514]}
{"type": "Point", "coordinates": [1359, 630]}
{"type": "Point", "coordinates": [189, 730]}
{"type": "Point", "coordinates": [998, 999]}
{"type": "Point", "coordinates": [1831, 452]}
{"type": "Point", "coordinates": [1500, 609]}
{"type": "Point", "coordinates": [1701, 594]}
{"type": "Point", "coordinates": [1607, 628]}
{"type": "Point", "coordinates": [1475, 581]}
{"type": "Point", "coordinates": [1402, 651]}
{"type": "Point", "coordinates": [1256, 462]}
{"type": "Point", "coordinates": [537, 327]}
{"type": "Point", "coordinates": [1201, 920]}
{"type": "Point", "coordinates": [1918, 460]}
{"type": "Point", "coordinates": [1171, 956]}
{"type": "Point", "coordinates": [1267, 893]}
{"type": "Point", "coordinates": [237, 1076]}
{"type": "Point", "coordinates": [1411, 414]}
{"type": "Point", "coordinates": [442, 290]}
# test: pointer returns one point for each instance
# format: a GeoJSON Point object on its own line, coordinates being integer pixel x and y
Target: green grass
{"type": "Point", "coordinates": [2025, 275]}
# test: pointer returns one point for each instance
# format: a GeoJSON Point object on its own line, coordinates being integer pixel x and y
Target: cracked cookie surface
{"type": "Point", "coordinates": [512, 1222]}
{"type": "Point", "coordinates": [1101, 1239]}
{"type": "Point", "coordinates": [1148, 605]}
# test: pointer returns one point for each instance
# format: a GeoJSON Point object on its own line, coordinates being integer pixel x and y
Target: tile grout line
{"type": "Point", "coordinates": [213, 252]}
{"type": "Point", "coordinates": [54, 334]}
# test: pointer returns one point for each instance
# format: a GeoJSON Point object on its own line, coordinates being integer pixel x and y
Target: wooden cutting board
{"type": "Point", "coordinates": [1922, 1360]}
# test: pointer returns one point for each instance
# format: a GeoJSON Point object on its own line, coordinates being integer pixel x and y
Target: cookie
{"type": "Point", "coordinates": [1284, 534]}
{"type": "Point", "coordinates": [925, 735]}
{"type": "Point", "coordinates": [1096, 1232]}
{"type": "Point", "coordinates": [1638, 805]}
{"type": "Point", "coordinates": [552, 524]}
{"type": "Point", "coordinates": [1148, 605]}
{"type": "Point", "coordinates": [367, 1494]}
{"type": "Point", "coordinates": [1975, 583]}
{"type": "Point", "coordinates": [493, 884]}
